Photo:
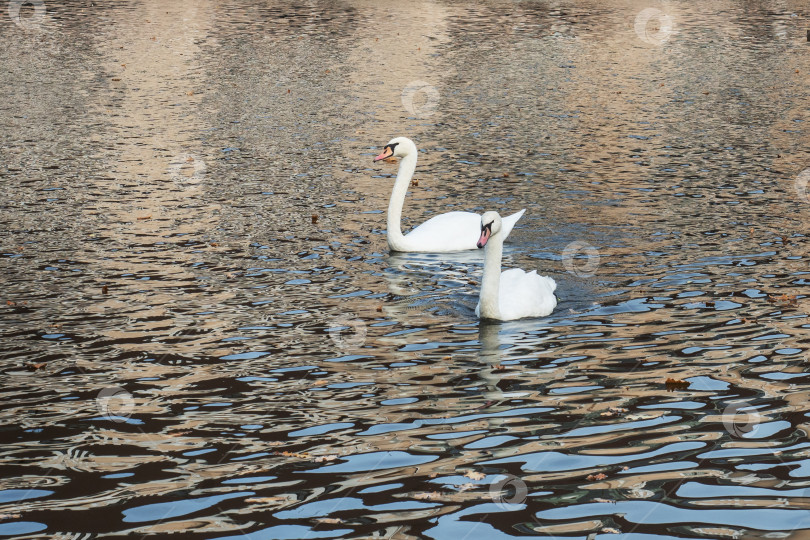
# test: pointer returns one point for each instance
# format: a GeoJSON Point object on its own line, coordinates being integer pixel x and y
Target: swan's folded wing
{"type": "Point", "coordinates": [525, 294]}
{"type": "Point", "coordinates": [453, 231]}
{"type": "Point", "coordinates": [509, 223]}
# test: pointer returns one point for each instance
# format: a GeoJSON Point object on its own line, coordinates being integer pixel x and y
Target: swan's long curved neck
{"type": "Point", "coordinates": [406, 168]}
{"type": "Point", "coordinates": [491, 281]}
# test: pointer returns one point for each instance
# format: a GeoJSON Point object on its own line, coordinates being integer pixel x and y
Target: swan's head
{"type": "Point", "coordinates": [490, 224]}
{"type": "Point", "coordinates": [397, 147]}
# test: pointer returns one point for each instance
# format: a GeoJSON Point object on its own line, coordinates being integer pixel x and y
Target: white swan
{"type": "Point", "coordinates": [453, 231]}
{"type": "Point", "coordinates": [514, 294]}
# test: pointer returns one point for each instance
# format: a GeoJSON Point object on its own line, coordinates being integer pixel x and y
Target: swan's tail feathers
{"type": "Point", "coordinates": [509, 221]}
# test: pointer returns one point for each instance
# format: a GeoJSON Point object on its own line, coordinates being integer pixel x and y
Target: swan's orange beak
{"type": "Point", "coordinates": [386, 153]}
{"type": "Point", "coordinates": [485, 234]}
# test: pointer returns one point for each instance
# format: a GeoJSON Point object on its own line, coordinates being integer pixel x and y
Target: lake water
{"type": "Point", "coordinates": [203, 330]}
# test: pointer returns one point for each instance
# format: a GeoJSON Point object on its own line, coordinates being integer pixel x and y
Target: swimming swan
{"type": "Point", "coordinates": [515, 293]}
{"type": "Point", "coordinates": [452, 231]}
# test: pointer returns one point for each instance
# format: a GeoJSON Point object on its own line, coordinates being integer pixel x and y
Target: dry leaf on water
{"type": "Point", "coordinates": [595, 477]}
{"type": "Point", "coordinates": [475, 475]}
{"type": "Point", "coordinates": [281, 498]}
{"type": "Point", "coordinates": [331, 521]}
{"type": "Point", "coordinates": [676, 384]}
{"type": "Point", "coordinates": [427, 496]}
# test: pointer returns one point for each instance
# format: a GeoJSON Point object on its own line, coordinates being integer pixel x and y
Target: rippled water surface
{"type": "Point", "coordinates": [203, 330]}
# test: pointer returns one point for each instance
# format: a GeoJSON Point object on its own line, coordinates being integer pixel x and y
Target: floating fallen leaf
{"type": "Point", "coordinates": [10, 303]}
{"type": "Point", "coordinates": [379, 308]}
{"type": "Point", "coordinates": [266, 499]}
{"type": "Point", "coordinates": [302, 455]}
{"type": "Point", "coordinates": [334, 521]}
{"type": "Point", "coordinates": [36, 365]}
{"type": "Point", "coordinates": [676, 384]}
{"type": "Point", "coordinates": [144, 217]}
{"type": "Point", "coordinates": [330, 457]}
{"type": "Point", "coordinates": [415, 182]}
{"type": "Point", "coordinates": [475, 475]}
{"type": "Point", "coordinates": [613, 411]}
{"type": "Point", "coordinates": [506, 175]}
{"type": "Point", "coordinates": [610, 530]}
{"type": "Point", "coordinates": [288, 90]}
{"type": "Point", "coordinates": [105, 290]}
{"type": "Point", "coordinates": [595, 477]}
{"type": "Point", "coordinates": [116, 79]}
{"type": "Point", "coordinates": [446, 358]}
{"type": "Point", "coordinates": [314, 218]}
{"type": "Point", "coordinates": [214, 244]}
{"type": "Point", "coordinates": [427, 496]}
{"type": "Point", "coordinates": [190, 93]}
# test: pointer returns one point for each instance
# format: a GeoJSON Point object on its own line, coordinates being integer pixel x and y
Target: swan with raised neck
{"type": "Point", "coordinates": [451, 231]}
{"type": "Point", "coordinates": [515, 293]}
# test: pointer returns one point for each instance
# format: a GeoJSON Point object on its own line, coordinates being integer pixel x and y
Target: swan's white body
{"type": "Point", "coordinates": [453, 231]}
{"type": "Point", "coordinates": [515, 293]}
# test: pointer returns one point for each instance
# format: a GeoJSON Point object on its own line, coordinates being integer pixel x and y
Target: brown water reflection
{"type": "Point", "coordinates": [204, 333]}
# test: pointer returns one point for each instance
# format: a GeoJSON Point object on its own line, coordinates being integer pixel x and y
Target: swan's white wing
{"type": "Point", "coordinates": [508, 222]}
{"type": "Point", "coordinates": [525, 294]}
{"type": "Point", "coordinates": [453, 231]}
